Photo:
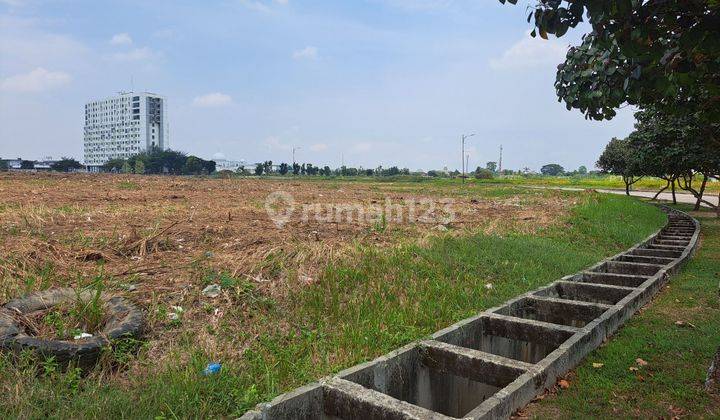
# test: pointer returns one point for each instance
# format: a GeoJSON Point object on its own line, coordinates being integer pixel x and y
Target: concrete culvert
{"type": "Point", "coordinates": [121, 319]}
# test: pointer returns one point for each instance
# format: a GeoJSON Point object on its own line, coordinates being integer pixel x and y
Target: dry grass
{"type": "Point", "coordinates": [169, 237]}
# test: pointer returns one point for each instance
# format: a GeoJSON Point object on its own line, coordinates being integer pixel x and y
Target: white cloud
{"type": "Point", "coordinates": [121, 39]}
{"type": "Point", "coordinates": [37, 80]}
{"type": "Point", "coordinates": [215, 99]}
{"type": "Point", "coordinates": [23, 47]}
{"type": "Point", "coordinates": [136, 54]}
{"type": "Point", "coordinates": [307, 53]}
{"type": "Point", "coordinates": [318, 147]}
{"type": "Point", "coordinates": [530, 52]}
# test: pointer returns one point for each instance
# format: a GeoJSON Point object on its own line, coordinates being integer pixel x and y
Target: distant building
{"type": "Point", "coordinates": [13, 164]}
{"type": "Point", "coordinates": [250, 167]}
{"type": "Point", "coordinates": [228, 165]}
{"type": "Point", "coordinates": [37, 165]}
{"type": "Point", "coordinates": [124, 125]}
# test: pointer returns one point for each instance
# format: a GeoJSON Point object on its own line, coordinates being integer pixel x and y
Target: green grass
{"type": "Point", "coordinates": [358, 309]}
{"type": "Point", "coordinates": [128, 185]}
{"type": "Point", "coordinates": [678, 356]}
{"type": "Point", "coordinates": [593, 181]}
{"type": "Point", "coordinates": [577, 181]}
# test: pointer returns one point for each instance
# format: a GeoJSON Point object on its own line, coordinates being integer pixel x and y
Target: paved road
{"type": "Point", "coordinates": [681, 198]}
{"type": "Point", "coordinates": [666, 196]}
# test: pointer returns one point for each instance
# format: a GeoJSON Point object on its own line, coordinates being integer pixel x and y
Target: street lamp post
{"type": "Point", "coordinates": [462, 158]}
{"type": "Point", "coordinates": [293, 150]}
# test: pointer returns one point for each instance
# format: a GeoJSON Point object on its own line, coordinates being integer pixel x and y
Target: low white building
{"type": "Point", "coordinates": [228, 165]}
{"type": "Point", "coordinates": [124, 125]}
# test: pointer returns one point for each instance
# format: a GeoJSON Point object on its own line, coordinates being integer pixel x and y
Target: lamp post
{"type": "Point", "coordinates": [462, 157]}
{"type": "Point", "coordinates": [293, 150]}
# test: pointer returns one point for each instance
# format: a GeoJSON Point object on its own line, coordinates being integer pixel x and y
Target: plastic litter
{"type": "Point", "coordinates": [82, 335]}
{"type": "Point", "coordinates": [212, 369]}
{"type": "Point", "coordinates": [212, 291]}
{"type": "Point", "coordinates": [176, 312]}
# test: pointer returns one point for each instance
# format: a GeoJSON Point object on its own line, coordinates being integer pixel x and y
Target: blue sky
{"type": "Point", "coordinates": [378, 82]}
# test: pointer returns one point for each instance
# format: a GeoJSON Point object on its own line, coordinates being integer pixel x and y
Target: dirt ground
{"type": "Point", "coordinates": [162, 239]}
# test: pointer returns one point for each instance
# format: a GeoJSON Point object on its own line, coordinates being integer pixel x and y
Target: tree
{"type": "Point", "coordinates": [284, 168]}
{"type": "Point", "coordinates": [675, 148]}
{"type": "Point", "coordinates": [650, 52]}
{"type": "Point", "coordinates": [4, 167]}
{"type": "Point", "coordinates": [27, 164]}
{"type": "Point", "coordinates": [620, 159]}
{"type": "Point", "coordinates": [296, 169]}
{"type": "Point", "coordinates": [193, 166]}
{"type": "Point", "coordinates": [66, 165]}
{"type": "Point", "coordinates": [483, 173]}
{"type": "Point", "coordinates": [552, 169]}
{"type": "Point", "coordinates": [139, 167]}
{"type": "Point", "coordinates": [391, 171]}
{"type": "Point", "coordinates": [582, 170]}
{"type": "Point", "coordinates": [126, 168]}
{"type": "Point", "coordinates": [114, 165]}
{"type": "Point", "coordinates": [209, 166]}
{"type": "Point", "coordinates": [259, 169]}
{"type": "Point", "coordinates": [491, 166]}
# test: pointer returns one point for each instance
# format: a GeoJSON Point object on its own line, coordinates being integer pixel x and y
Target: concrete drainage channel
{"type": "Point", "coordinates": [490, 365]}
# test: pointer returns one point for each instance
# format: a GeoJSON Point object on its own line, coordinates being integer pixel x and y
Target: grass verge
{"type": "Point", "coordinates": [676, 335]}
{"type": "Point", "coordinates": [355, 311]}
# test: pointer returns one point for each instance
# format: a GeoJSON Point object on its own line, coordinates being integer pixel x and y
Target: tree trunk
{"type": "Point", "coordinates": [661, 190]}
{"type": "Point", "coordinates": [700, 194]}
{"type": "Point", "coordinates": [627, 187]}
{"type": "Point", "coordinates": [673, 192]}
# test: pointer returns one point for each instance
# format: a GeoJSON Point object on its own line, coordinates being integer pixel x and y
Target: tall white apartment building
{"type": "Point", "coordinates": [124, 125]}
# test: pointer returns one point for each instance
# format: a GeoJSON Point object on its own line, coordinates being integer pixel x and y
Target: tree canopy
{"type": "Point", "coordinates": [552, 169]}
{"type": "Point", "coordinates": [66, 165]}
{"type": "Point", "coordinates": [157, 161]}
{"type": "Point", "coordinates": [640, 52]}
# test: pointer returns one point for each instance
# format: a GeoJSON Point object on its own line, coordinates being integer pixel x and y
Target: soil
{"type": "Point", "coordinates": [161, 240]}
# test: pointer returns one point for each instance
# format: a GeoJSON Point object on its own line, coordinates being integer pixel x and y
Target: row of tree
{"type": "Point", "coordinates": [658, 55]}
{"type": "Point", "coordinates": [675, 148]}
{"type": "Point", "coordinates": [157, 161]}
{"type": "Point", "coordinates": [267, 168]}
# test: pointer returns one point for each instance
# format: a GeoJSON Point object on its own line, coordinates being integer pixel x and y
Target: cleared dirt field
{"type": "Point", "coordinates": [161, 240]}
{"type": "Point", "coordinates": [359, 268]}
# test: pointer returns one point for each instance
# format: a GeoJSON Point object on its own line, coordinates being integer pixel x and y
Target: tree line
{"type": "Point", "coordinates": [670, 147]}
{"type": "Point", "coordinates": [660, 56]}
{"type": "Point", "coordinates": [267, 168]}
{"type": "Point", "coordinates": [157, 161]}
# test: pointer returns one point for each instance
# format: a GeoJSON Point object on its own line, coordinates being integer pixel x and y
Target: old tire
{"type": "Point", "coordinates": [124, 319]}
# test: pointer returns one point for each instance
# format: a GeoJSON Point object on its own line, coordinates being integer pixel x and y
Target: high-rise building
{"type": "Point", "coordinates": [124, 125]}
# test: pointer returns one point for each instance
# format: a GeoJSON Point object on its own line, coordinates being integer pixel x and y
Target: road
{"type": "Point", "coordinates": [665, 196]}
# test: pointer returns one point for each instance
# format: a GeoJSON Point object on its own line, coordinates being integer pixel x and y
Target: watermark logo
{"type": "Point", "coordinates": [280, 206]}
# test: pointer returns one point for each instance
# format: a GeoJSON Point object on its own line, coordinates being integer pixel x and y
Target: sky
{"type": "Point", "coordinates": [364, 82]}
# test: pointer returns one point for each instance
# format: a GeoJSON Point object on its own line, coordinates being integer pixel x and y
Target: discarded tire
{"type": "Point", "coordinates": [124, 319]}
